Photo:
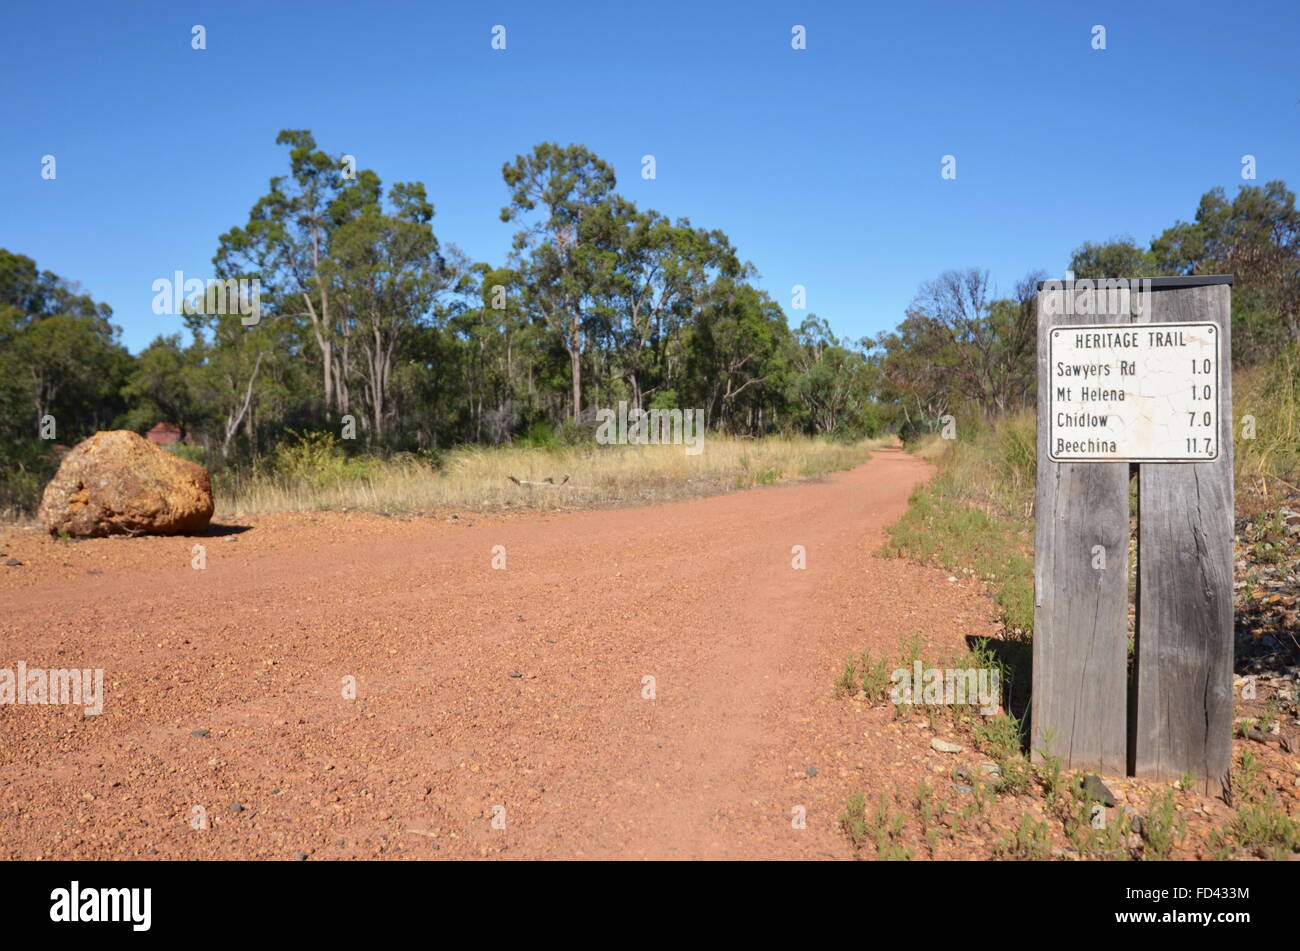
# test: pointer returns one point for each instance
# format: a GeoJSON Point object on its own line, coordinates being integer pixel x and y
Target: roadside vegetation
{"type": "Point", "coordinates": [975, 517]}
{"type": "Point", "coordinates": [963, 367]}
{"type": "Point", "coordinates": [985, 795]}
{"type": "Point", "coordinates": [544, 473]}
{"type": "Point", "coordinates": [375, 328]}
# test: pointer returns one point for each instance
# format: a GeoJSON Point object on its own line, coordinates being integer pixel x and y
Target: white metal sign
{"type": "Point", "coordinates": [1134, 392]}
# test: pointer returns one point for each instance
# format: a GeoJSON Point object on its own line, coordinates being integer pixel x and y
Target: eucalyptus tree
{"type": "Point", "coordinates": [286, 243]}
{"type": "Point", "coordinates": [661, 278]}
{"type": "Point", "coordinates": [386, 274]}
{"type": "Point", "coordinates": [738, 358]}
{"type": "Point", "coordinates": [1254, 236]}
{"type": "Point", "coordinates": [557, 191]}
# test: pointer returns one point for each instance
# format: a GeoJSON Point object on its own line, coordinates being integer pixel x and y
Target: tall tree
{"type": "Point", "coordinates": [559, 251]}
{"type": "Point", "coordinates": [286, 243]}
{"type": "Point", "coordinates": [385, 271]}
{"type": "Point", "coordinates": [1256, 238]}
{"type": "Point", "coordinates": [1118, 257]}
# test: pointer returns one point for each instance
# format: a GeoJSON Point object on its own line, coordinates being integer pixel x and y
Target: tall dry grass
{"type": "Point", "coordinates": [1267, 467]}
{"type": "Point", "coordinates": [479, 479]}
{"type": "Point", "coordinates": [989, 465]}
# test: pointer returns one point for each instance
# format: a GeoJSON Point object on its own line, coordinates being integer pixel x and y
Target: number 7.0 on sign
{"type": "Point", "coordinates": [1134, 392]}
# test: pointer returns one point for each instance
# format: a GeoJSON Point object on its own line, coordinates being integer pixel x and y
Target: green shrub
{"type": "Point", "coordinates": [25, 467]}
{"type": "Point", "coordinates": [946, 532]}
{"type": "Point", "coordinates": [317, 459]}
{"type": "Point", "coordinates": [188, 453]}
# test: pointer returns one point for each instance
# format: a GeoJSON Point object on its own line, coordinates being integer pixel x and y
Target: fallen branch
{"type": "Point", "coordinates": [548, 483]}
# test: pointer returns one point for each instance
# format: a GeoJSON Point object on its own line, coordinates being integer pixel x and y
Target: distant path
{"type": "Point", "coordinates": [700, 595]}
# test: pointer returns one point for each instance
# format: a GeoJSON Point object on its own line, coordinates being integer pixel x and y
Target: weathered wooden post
{"type": "Point", "coordinates": [1135, 373]}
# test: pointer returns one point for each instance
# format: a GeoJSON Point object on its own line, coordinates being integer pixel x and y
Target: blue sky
{"type": "Point", "coordinates": [823, 165]}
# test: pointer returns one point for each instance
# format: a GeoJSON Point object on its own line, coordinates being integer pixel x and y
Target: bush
{"type": "Point", "coordinates": [188, 453]}
{"type": "Point", "coordinates": [317, 460]}
{"type": "Point", "coordinates": [25, 467]}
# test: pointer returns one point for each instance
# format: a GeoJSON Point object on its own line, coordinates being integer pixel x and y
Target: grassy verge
{"type": "Point", "coordinates": [313, 473]}
{"type": "Point", "coordinates": [1266, 410]}
{"type": "Point", "coordinates": [975, 516]}
{"type": "Point", "coordinates": [1009, 807]}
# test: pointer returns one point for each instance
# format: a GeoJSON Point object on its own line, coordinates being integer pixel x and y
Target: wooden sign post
{"type": "Point", "coordinates": [1134, 374]}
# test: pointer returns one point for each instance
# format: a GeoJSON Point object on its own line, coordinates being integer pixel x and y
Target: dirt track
{"type": "Point", "coordinates": [476, 687]}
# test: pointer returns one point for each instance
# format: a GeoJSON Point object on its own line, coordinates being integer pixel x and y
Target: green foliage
{"type": "Point", "coordinates": [60, 364]}
{"type": "Point", "coordinates": [854, 819]}
{"type": "Point", "coordinates": [1109, 843]}
{"type": "Point", "coordinates": [1051, 776]}
{"type": "Point", "coordinates": [188, 453]}
{"type": "Point", "coordinates": [1031, 840]}
{"type": "Point", "coordinates": [1271, 397]}
{"type": "Point", "coordinates": [961, 345]}
{"type": "Point", "coordinates": [1002, 738]}
{"type": "Point", "coordinates": [884, 828]}
{"type": "Point", "coordinates": [1255, 236]}
{"type": "Point", "coordinates": [1162, 828]}
{"type": "Point", "coordinates": [1118, 257]}
{"type": "Point", "coordinates": [875, 677]}
{"type": "Point", "coordinates": [25, 466]}
{"type": "Point", "coordinates": [847, 681]}
{"type": "Point", "coordinates": [369, 321]}
{"type": "Point", "coordinates": [317, 459]}
{"type": "Point", "coordinates": [1264, 829]}
{"type": "Point", "coordinates": [944, 532]}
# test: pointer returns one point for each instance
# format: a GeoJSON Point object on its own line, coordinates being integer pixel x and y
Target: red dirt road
{"type": "Point", "coordinates": [475, 688]}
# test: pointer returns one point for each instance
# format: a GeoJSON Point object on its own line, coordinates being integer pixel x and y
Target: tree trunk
{"type": "Point", "coordinates": [575, 369]}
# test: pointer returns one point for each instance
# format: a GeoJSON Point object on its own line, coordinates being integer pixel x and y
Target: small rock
{"type": "Point", "coordinates": [964, 790]}
{"type": "Point", "coordinates": [515, 673]}
{"type": "Point", "coordinates": [13, 562]}
{"type": "Point", "coordinates": [990, 769]}
{"type": "Point", "coordinates": [200, 733]}
{"type": "Point", "coordinates": [236, 807]}
{"type": "Point", "coordinates": [810, 772]}
{"type": "Point", "coordinates": [300, 856]}
{"type": "Point", "coordinates": [943, 746]}
{"type": "Point", "coordinates": [1097, 791]}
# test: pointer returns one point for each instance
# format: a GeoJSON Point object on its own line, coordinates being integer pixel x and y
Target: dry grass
{"type": "Point", "coordinates": [1267, 467]}
{"type": "Point", "coordinates": [477, 479]}
{"type": "Point", "coordinates": [989, 465]}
